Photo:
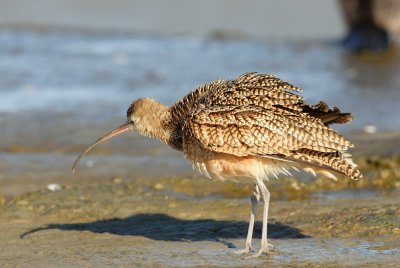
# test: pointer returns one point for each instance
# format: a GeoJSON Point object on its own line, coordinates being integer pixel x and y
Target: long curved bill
{"type": "Point", "coordinates": [121, 129]}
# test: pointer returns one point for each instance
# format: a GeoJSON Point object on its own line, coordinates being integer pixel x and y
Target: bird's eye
{"type": "Point", "coordinates": [135, 119]}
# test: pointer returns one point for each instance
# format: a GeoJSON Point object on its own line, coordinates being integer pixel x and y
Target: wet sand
{"type": "Point", "coordinates": [190, 221]}
{"type": "Point", "coordinates": [127, 222]}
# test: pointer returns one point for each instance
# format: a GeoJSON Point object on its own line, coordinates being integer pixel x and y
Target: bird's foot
{"type": "Point", "coordinates": [266, 248]}
{"type": "Point", "coordinates": [246, 250]}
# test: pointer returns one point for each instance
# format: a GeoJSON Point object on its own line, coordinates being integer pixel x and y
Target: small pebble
{"type": "Point", "coordinates": [117, 180]}
{"type": "Point", "coordinates": [295, 186]}
{"type": "Point", "coordinates": [370, 129]}
{"type": "Point", "coordinates": [53, 187]}
{"type": "Point", "coordinates": [159, 186]}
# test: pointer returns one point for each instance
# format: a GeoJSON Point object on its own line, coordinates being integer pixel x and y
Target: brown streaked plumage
{"type": "Point", "coordinates": [246, 129]}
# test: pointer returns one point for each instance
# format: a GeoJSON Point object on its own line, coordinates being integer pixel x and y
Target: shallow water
{"type": "Point", "coordinates": [61, 90]}
{"type": "Point", "coordinates": [349, 251]}
{"type": "Point", "coordinates": [94, 77]}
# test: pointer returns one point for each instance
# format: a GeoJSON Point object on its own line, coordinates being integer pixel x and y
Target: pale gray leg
{"type": "Point", "coordinates": [265, 195]}
{"type": "Point", "coordinates": [255, 198]}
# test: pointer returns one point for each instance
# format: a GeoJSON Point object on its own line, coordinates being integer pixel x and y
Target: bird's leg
{"type": "Point", "coordinates": [255, 198]}
{"type": "Point", "coordinates": [265, 195]}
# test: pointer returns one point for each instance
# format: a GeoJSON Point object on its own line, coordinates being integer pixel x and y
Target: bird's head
{"type": "Point", "coordinates": [143, 116]}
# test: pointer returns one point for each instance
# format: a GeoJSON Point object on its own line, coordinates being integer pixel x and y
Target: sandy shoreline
{"type": "Point", "coordinates": [124, 223]}
{"type": "Point", "coordinates": [129, 220]}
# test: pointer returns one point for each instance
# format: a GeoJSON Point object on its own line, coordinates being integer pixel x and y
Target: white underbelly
{"type": "Point", "coordinates": [223, 167]}
{"type": "Point", "coordinates": [245, 169]}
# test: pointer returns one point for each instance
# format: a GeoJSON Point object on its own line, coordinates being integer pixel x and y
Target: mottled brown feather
{"type": "Point", "coordinates": [257, 114]}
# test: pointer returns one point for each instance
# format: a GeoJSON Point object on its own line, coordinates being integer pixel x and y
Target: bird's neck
{"type": "Point", "coordinates": [173, 130]}
{"type": "Point", "coordinates": [161, 125]}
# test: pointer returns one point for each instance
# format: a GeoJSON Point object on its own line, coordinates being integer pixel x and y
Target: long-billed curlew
{"type": "Point", "coordinates": [246, 129]}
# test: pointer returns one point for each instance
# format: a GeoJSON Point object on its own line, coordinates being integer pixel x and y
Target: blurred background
{"type": "Point", "coordinates": [69, 70]}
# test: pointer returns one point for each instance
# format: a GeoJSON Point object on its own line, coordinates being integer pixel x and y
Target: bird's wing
{"type": "Point", "coordinates": [267, 91]}
{"type": "Point", "coordinates": [248, 89]}
{"type": "Point", "coordinates": [254, 130]}
{"type": "Point", "coordinates": [191, 101]}
{"type": "Point", "coordinates": [262, 90]}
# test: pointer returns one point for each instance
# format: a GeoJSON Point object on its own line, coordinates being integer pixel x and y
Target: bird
{"type": "Point", "coordinates": [247, 129]}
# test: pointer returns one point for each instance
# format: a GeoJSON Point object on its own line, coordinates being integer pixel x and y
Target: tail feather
{"type": "Point", "coordinates": [335, 161]}
{"type": "Point", "coordinates": [326, 115]}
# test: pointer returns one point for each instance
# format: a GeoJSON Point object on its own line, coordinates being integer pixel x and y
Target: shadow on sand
{"type": "Point", "coordinates": [167, 228]}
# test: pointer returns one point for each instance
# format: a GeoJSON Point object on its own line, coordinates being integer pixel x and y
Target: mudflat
{"type": "Point", "coordinates": [120, 224]}
{"type": "Point", "coordinates": [191, 222]}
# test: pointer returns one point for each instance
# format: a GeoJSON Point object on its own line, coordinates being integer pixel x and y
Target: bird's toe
{"type": "Point", "coordinates": [267, 249]}
{"type": "Point", "coordinates": [246, 250]}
